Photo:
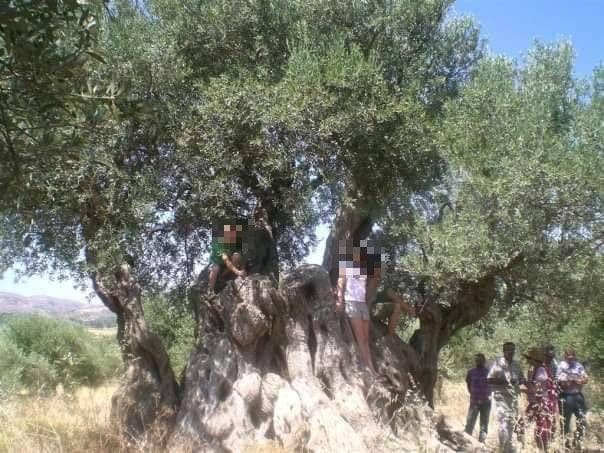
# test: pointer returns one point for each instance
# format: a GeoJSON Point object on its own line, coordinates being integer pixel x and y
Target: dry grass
{"type": "Point", "coordinates": [66, 423]}
{"type": "Point", "coordinates": [80, 422]}
{"type": "Point", "coordinates": [453, 401]}
{"type": "Point", "coordinates": [103, 331]}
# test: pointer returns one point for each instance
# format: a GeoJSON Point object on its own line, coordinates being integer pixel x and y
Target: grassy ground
{"type": "Point", "coordinates": [103, 331]}
{"type": "Point", "coordinates": [453, 401]}
{"type": "Point", "coordinates": [65, 423]}
{"type": "Point", "coordinates": [80, 422]}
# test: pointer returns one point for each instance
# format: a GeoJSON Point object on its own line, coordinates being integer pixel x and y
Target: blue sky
{"type": "Point", "coordinates": [510, 27]}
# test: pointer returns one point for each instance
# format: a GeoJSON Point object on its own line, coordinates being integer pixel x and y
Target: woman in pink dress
{"type": "Point", "coordinates": [543, 398]}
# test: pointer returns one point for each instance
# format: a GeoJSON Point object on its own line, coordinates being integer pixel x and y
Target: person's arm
{"type": "Point", "coordinates": [468, 381]}
{"type": "Point", "coordinates": [372, 285]}
{"type": "Point", "coordinates": [562, 376]}
{"type": "Point", "coordinates": [230, 266]}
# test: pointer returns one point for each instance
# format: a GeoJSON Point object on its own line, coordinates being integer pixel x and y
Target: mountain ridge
{"type": "Point", "coordinates": [91, 314]}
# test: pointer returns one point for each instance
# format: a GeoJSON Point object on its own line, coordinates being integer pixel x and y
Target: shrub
{"type": "Point", "coordinates": [175, 325]}
{"type": "Point", "coordinates": [37, 353]}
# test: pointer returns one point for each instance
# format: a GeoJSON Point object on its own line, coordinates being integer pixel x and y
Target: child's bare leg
{"type": "Point", "coordinates": [360, 329]}
{"type": "Point", "coordinates": [366, 345]}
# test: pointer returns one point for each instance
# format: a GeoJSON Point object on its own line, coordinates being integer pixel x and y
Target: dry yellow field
{"type": "Point", "coordinates": [65, 423]}
{"type": "Point", "coordinates": [80, 422]}
{"type": "Point", "coordinates": [453, 401]}
{"type": "Point", "coordinates": [103, 331]}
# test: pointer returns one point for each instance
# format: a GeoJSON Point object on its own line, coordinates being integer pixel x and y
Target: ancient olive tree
{"type": "Point", "coordinates": [375, 116]}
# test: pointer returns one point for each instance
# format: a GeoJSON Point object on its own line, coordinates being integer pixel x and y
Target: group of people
{"type": "Point", "coordinates": [554, 392]}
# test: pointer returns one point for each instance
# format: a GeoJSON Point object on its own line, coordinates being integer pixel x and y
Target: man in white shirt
{"type": "Point", "coordinates": [572, 377]}
{"type": "Point", "coordinates": [505, 378]}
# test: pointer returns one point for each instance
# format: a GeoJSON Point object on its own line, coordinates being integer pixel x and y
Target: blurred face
{"type": "Point", "coordinates": [550, 354]}
{"type": "Point", "coordinates": [230, 234]}
{"type": "Point", "coordinates": [570, 357]}
{"type": "Point", "coordinates": [508, 351]}
{"type": "Point", "coordinates": [480, 361]}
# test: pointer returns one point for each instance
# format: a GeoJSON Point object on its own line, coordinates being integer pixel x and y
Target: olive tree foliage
{"type": "Point", "coordinates": [46, 51]}
{"type": "Point", "coordinates": [204, 110]}
{"type": "Point", "coordinates": [286, 106]}
{"type": "Point", "coordinates": [524, 153]}
{"type": "Point", "coordinates": [524, 146]}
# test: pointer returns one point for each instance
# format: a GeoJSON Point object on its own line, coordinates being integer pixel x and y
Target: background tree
{"type": "Point", "coordinates": [520, 168]}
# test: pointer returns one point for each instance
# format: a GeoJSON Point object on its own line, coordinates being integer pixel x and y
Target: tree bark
{"type": "Point", "coordinates": [438, 322]}
{"type": "Point", "coordinates": [148, 396]}
{"type": "Point", "coordinates": [279, 365]}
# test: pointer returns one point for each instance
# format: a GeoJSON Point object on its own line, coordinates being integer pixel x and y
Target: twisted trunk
{"type": "Point", "coordinates": [148, 395]}
{"type": "Point", "coordinates": [438, 323]}
{"type": "Point", "coordinates": [281, 365]}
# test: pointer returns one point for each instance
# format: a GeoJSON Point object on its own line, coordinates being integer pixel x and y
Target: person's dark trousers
{"type": "Point", "coordinates": [574, 404]}
{"type": "Point", "coordinates": [484, 409]}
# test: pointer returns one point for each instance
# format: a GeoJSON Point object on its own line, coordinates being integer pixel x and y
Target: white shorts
{"type": "Point", "coordinates": [356, 309]}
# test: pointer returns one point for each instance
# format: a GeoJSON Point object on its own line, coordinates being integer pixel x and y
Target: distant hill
{"type": "Point", "coordinates": [90, 314]}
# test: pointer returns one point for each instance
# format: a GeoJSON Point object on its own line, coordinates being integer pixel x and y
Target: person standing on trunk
{"type": "Point", "coordinates": [352, 297]}
{"type": "Point", "coordinates": [506, 377]}
{"type": "Point", "coordinates": [480, 397]}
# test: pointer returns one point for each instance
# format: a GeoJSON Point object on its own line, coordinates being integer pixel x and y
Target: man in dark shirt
{"type": "Point", "coordinates": [480, 397]}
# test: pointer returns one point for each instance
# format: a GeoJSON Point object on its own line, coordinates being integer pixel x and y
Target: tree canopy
{"type": "Point", "coordinates": [128, 128]}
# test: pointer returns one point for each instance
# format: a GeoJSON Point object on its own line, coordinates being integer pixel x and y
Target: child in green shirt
{"type": "Point", "coordinates": [225, 255]}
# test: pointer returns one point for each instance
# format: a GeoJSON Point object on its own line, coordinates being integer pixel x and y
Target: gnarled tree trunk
{"type": "Point", "coordinates": [280, 365]}
{"type": "Point", "coordinates": [148, 394]}
{"type": "Point", "coordinates": [438, 322]}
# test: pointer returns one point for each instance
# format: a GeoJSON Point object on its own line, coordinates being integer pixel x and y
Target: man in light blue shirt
{"type": "Point", "coordinates": [572, 377]}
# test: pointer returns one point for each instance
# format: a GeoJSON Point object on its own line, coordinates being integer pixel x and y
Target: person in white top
{"type": "Point", "coordinates": [353, 299]}
{"type": "Point", "coordinates": [505, 378]}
